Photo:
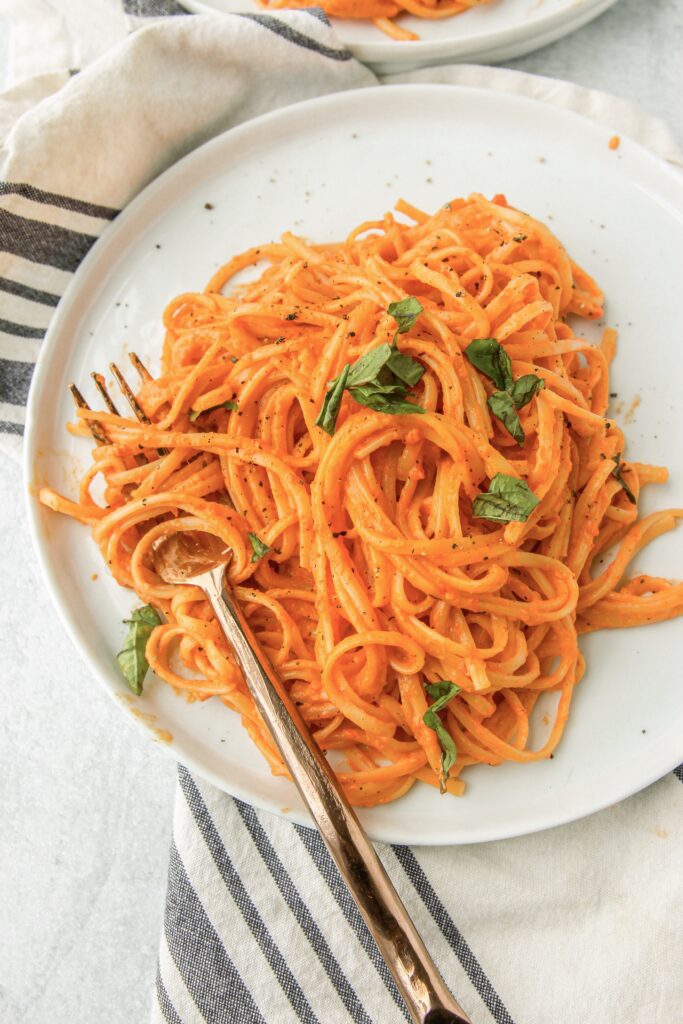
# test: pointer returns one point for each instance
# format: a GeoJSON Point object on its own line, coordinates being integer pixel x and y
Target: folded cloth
{"type": "Point", "coordinates": [580, 923]}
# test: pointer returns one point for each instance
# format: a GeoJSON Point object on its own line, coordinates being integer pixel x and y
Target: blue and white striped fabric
{"type": "Point", "coordinates": [578, 924]}
{"type": "Point", "coordinates": [43, 238]}
{"type": "Point", "coordinates": [283, 940]}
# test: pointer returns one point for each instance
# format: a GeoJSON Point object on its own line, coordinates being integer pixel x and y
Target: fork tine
{"type": "Point", "coordinates": [144, 373]}
{"type": "Point", "coordinates": [128, 394]}
{"type": "Point", "coordinates": [102, 388]}
{"type": "Point", "coordinates": [138, 411]}
{"type": "Point", "coordinates": [93, 426]}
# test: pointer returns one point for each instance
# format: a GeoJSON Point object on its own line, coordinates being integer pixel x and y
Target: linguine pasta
{"type": "Point", "coordinates": [406, 447]}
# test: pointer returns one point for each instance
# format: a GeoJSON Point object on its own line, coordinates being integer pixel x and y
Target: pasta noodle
{"type": "Point", "coordinates": [372, 558]}
{"type": "Point", "coordinates": [382, 12]}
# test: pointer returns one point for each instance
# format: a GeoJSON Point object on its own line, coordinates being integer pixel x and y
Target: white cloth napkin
{"type": "Point", "coordinates": [574, 925]}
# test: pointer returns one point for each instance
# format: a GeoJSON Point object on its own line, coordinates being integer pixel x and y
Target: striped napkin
{"type": "Point", "coordinates": [580, 923]}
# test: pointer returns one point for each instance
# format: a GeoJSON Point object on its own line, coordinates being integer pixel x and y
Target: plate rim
{"type": "Point", "coordinates": [385, 52]}
{"type": "Point", "coordinates": [39, 538]}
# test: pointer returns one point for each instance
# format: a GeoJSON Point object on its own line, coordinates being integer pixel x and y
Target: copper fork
{"type": "Point", "coordinates": [200, 559]}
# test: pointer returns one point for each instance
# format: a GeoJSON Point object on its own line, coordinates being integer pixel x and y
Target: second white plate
{"type": "Point", "coordinates": [320, 168]}
{"type": "Point", "coordinates": [495, 32]}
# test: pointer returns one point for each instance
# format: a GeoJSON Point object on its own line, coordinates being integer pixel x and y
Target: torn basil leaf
{"type": "Point", "coordinates": [327, 417]}
{"type": "Point", "coordinates": [132, 658]}
{"type": "Point", "coordinates": [195, 413]}
{"type": "Point", "coordinates": [404, 367]}
{"type": "Point", "coordinates": [524, 389]}
{"type": "Point", "coordinates": [258, 547]}
{"type": "Point", "coordinates": [368, 369]}
{"type": "Point", "coordinates": [509, 500]}
{"type": "Point", "coordinates": [405, 313]}
{"type": "Point", "coordinates": [443, 692]}
{"type": "Point", "coordinates": [488, 356]}
{"type": "Point", "coordinates": [502, 406]}
{"type": "Point", "coordinates": [369, 366]}
{"type": "Point", "coordinates": [617, 473]}
{"type": "Point", "coordinates": [381, 400]}
{"type": "Point", "coordinates": [378, 380]}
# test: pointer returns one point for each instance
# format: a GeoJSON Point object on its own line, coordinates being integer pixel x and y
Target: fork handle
{"type": "Point", "coordinates": [413, 970]}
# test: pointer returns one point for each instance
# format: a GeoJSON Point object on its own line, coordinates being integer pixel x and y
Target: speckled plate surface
{"type": "Point", "coordinates": [619, 212]}
{"type": "Point", "coordinates": [494, 32]}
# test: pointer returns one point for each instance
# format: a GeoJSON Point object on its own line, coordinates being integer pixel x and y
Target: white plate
{"type": "Point", "coordinates": [620, 213]}
{"type": "Point", "coordinates": [495, 32]}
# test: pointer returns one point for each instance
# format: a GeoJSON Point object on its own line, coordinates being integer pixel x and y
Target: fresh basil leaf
{"type": "Point", "coordinates": [497, 509]}
{"type": "Point", "coordinates": [383, 364]}
{"type": "Point", "coordinates": [327, 417]}
{"type": "Point", "coordinates": [502, 406]}
{"type": "Point", "coordinates": [617, 473]}
{"type": "Point", "coordinates": [381, 399]}
{"type": "Point", "coordinates": [405, 313]}
{"type": "Point", "coordinates": [488, 356]}
{"type": "Point", "coordinates": [449, 751]}
{"type": "Point", "coordinates": [404, 367]}
{"type": "Point", "coordinates": [378, 380]}
{"type": "Point", "coordinates": [443, 692]}
{"type": "Point", "coordinates": [509, 500]}
{"type": "Point", "coordinates": [259, 548]}
{"type": "Point", "coordinates": [366, 369]}
{"type": "Point", "coordinates": [195, 413]}
{"type": "Point", "coordinates": [524, 389]}
{"type": "Point", "coordinates": [132, 658]}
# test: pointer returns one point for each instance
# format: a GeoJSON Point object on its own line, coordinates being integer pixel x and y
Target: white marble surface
{"type": "Point", "coordinates": [85, 797]}
{"type": "Point", "coordinates": [635, 50]}
{"type": "Point", "coordinates": [85, 805]}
